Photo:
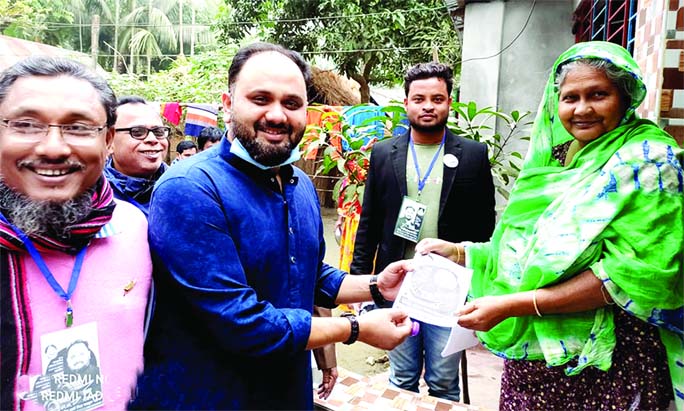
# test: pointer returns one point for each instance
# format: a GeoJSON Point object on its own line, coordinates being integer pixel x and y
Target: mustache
{"type": "Point", "coordinates": [72, 164]}
{"type": "Point", "coordinates": [278, 127]}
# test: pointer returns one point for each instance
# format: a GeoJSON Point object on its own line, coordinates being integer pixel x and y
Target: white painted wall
{"type": "Point", "coordinates": [527, 63]}
{"type": "Point", "coordinates": [515, 79]}
{"type": "Point", "coordinates": [482, 37]}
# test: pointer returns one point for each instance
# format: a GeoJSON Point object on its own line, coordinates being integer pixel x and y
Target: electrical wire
{"type": "Point", "coordinates": [527, 20]}
{"type": "Point", "coordinates": [303, 52]}
{"type": "Point", "coordinates": [534, 2]}
{"type": "Point", "coordinates": [262, 22]}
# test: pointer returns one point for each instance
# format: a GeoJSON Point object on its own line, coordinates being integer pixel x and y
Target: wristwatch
{"type": "Point", "coordinates": [354, 335]}
{"type": "Point", "coordinates": [378, 299]}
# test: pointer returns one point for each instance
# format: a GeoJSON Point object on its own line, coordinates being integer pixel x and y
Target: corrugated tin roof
{"type": "Point", "coordinates": [13, 50]}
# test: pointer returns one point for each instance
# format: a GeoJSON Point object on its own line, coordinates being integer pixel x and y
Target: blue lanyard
{"type": "Point", "coordinates": [75, 273]}
{"type": "Point", "coordinates": [422, 181]}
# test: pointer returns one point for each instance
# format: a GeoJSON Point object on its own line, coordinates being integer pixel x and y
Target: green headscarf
{"type": "Point", "coordinates": [617, 208]}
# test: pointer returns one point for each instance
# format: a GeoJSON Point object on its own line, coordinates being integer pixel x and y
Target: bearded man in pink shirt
{"type": "Point", "coordinates": [75, 267]}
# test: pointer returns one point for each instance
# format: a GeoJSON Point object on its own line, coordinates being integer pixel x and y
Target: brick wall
{"type": "Point", "coordinates": [659, 50]}
{"type": "Point", "coordinates": [648, 46]}
{"type": "Point", "coordinates": [672, 103]}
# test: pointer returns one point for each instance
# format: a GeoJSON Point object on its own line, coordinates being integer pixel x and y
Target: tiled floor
{"type": "Point", "coordinates": [354, 392]}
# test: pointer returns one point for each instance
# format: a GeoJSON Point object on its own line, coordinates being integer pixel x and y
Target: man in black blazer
{"type": "Point", "coordinates": [449, 178]}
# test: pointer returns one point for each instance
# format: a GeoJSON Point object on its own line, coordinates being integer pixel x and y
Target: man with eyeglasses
{"type": "Point", "coordinates": [74, 262]}
{"type": "Point", "coordinates": [140, 145]}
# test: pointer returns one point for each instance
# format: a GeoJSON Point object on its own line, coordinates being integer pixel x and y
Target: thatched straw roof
{"type": "Point", "coordinates": [333, 89]}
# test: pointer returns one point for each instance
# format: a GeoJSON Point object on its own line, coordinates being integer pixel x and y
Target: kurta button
{"type": "Point", "coordinates": [292, 181]}
{"type": "Point", "coordinates": [293, 260]}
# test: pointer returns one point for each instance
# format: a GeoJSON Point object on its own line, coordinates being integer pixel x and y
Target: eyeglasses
{"type": "Point", "coordinates": [34, 131]}
{"type": "Point", "coordinates": [140, 133]}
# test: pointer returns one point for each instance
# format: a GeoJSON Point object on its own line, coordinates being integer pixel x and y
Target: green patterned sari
{"type": "Point", "coordinates": [617, 208]}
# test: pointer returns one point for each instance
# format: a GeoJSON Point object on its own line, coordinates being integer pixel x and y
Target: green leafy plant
{"type": "Point", "coordinates": [472, 122]}
{"type": "Point", "coordinates": [346, 148]}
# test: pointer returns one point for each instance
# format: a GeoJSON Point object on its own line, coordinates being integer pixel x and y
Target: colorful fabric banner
{"type": "Point", "coordinates": [198, 117]}
{"type": "Point", "coordinates": [367, 121]}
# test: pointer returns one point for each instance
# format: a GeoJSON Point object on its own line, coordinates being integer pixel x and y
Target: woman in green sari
{"type": "Point", "coordinates": [581, 287]}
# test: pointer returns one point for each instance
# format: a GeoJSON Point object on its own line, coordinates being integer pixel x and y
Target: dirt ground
{"type": "Point", "coordinates": [361, 358]}
{"type": "Point", "coordinates": [484, 369]}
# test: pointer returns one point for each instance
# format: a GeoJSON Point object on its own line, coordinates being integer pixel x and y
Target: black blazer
{"type": "Point", "coordinates": [466, 205]}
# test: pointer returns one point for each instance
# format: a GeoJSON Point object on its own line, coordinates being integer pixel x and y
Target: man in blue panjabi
{"type": "Point", "coordinates": [233, 326]}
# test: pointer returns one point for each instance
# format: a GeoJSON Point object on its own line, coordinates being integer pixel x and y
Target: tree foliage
{"type": "Point", "coordinates": [370, 41]}
{"type": "Point", "coordinates": [142, 34]}
{"type": "Point", "coordinates": [14, 15]}
{"type": "Point", "coordinates": [200, 79]}
{"type": "Point", "coordinates": [149, 34]}
{"type": "Point", "coordinates": [44, 21]}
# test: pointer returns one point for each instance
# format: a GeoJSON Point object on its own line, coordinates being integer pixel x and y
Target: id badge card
{"type": "Point", "coordinates": [71, 379]}
{"type": "Point", "coordinates": [410, 221]}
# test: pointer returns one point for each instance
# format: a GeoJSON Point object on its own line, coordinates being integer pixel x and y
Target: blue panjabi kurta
{"type": "Point", "coordinates": [238, 268]}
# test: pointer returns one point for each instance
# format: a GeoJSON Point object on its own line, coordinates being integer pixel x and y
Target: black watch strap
{"type": "Point", "coordinates": [354, 335]}
{"type": "Point", "coordinates": [378, 299]}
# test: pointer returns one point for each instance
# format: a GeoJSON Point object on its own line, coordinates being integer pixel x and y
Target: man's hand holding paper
{"type": "Point", "coordinates": [433, 292]}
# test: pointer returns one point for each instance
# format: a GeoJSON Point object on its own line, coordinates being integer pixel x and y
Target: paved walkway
{"type": "Point", "coordinates": [355, 392]}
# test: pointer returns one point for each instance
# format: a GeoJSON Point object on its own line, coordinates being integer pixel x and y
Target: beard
{"type": "Point", "coordinates": [265, 153]}
{"type": "Point", "coordinates": [45, 218]}
{"type": "Point", "coordinates": [433, 128]}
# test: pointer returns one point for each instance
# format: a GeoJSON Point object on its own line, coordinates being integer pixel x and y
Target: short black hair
{"type": "Point", "coordinates": [185, 145]}
{"type": "Point", "coordinates": [245, 53]}
{"type": "Point", "coordinates": [212, 134]}
{"type": "Point", "coordinates": [130, 100]}
{"type": "Point", "coordinates": [57, 66]}
{"type": "Point", "coordinates": [422, 71]}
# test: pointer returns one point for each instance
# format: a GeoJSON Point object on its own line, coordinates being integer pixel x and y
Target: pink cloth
{"type": "Point", "coordinates": [110, 264]}
{"type": "Point", "coordinates": [172, 112]}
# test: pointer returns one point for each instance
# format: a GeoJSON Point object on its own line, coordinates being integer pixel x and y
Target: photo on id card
{"type": "Point", "coordinates": [71, 379]}
{"type": "Point", "coordinates": [410, 221]}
